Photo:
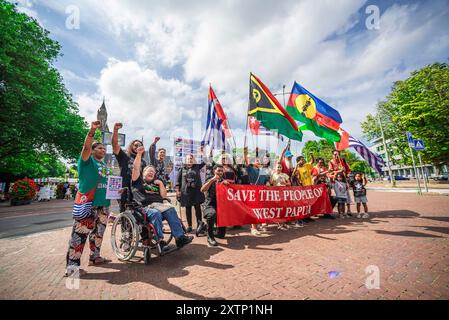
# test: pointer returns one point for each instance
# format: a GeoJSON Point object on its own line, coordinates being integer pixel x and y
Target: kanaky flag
{"type": "Point", "coordinates": [316, 115]}
{"type": "Point", "coordinates": [265, 108]}
{"type": "Point", "coordinates": [219, 111]}
{"type": "Point", "coordinates": [344, 140]}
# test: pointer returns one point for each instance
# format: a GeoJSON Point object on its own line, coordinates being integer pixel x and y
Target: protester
{"type": "Point", "coordinates": [125, 162]}
{"type": "Point", "coordinates": [319, 169]}
{"type": "Point", "coordinates": [286, 160]}
{"type": "Point", "coordinates": [303, 174]}
{"type": "Point", "coordinates": [336, 165]}
{"type": "Point", "coordinates": [188, 190]}
{"type": "Point", "coordinates": [150, 192]}
{"type": "Point", "coordinates": [303, 171]}
{"type": "Point", "coordinates": [93, 175]}
{"type": "Point", "coordinates": [210, 204]}
{"type": "Point", "coordinates": [358, 187]}
{"type": "Point", "coordinates": [323, 179]}
{"type": "Point", "coordinates": [280, 179]}
{"type": "Point", "coordinates": [341, 191]}
{"type": "Point", "coordinates": [230, 173]}
{"type": "Point", "coordinates": [257, 175]}
{"type": "Point", "coordinates": [159, 161]}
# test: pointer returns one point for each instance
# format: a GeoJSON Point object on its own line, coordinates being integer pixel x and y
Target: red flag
{"type": "Point", "coordinates": [220, 113]}
{"type": "Point", "coordinates": [254, 125]}
{"type": "Point", "coordinates": [344, 140]}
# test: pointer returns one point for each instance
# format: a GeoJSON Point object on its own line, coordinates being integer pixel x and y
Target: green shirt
{"type": "Point", "coordinates": [94, 173]}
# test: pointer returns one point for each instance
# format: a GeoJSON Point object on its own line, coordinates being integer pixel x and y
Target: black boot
{"type": "Point", "coordinates": [210, 233]}
{"type": "Point", "coordinates": [201, 229]}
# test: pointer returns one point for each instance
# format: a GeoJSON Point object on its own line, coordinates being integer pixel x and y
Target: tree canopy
{"type": "Point", "coordinates": [420, 105]}
{"type": "Point", "coordinates": [40, 121]}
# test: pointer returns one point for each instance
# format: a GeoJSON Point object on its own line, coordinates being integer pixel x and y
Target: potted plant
{"type": "Point", "coordinates": [22, 192]}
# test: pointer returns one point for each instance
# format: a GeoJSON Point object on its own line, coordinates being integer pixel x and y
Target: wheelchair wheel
{"type": "Point", "coordinates": [125, 236]}
{"type": "Point", "coordinates": [147, 255]}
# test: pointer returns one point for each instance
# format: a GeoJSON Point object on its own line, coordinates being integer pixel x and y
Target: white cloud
{"type": "Point", "coordinates": [221, 42]}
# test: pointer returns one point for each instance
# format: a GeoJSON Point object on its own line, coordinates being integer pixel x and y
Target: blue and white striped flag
{"type": "Point", "coordinates": [374, 160]}
{"type": "Point", "coordinates": [214, 136]}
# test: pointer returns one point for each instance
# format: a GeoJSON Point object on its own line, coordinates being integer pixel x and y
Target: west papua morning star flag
{"type": "Point", "coordinates": [374, 160]}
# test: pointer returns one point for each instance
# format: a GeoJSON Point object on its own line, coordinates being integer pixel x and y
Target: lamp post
{"type": "Point", "coordinates": [393, 182]}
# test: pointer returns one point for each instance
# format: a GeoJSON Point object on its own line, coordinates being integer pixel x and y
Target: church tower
{"type": "Point", "coordinates": [102, 116]}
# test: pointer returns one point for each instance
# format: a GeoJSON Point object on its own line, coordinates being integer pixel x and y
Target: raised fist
{"type": "Point", "coordinates": [95, 125]}
{"type": "Point", "coordinates": [118, 126]}
{"type": "Point", "coordinates": [140, 150]}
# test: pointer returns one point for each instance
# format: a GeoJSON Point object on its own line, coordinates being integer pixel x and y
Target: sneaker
{"type": "Point", "coordinates": [359, 216]}
{"type": "Point", "coordinates": [342, 216]}
{"type": "Point", "coordinates": [71, 271]}
{"type": "Point", "coordinates": [255, 232]}
{"type": "Point", "coordinates": [263, 229]}
{"type": "Point", "coordinates": [309, 220]}
{"type": "Point", "coordinates": [365, 215]}
{"type": "Point", "coordinates": [282, 227]}
{"type": "Point", "coordinates": [211, 242]}
{"type": "Point", "coordinates": [329, 216]}
{"type": "Point", "coordinates": [182, 241]}
{"type": "Point", "coordinates": [300, 223]}
{"type": "Point", "coordinates": [189, 229]}
{"type": "Point", "coordinates": [349, 214]}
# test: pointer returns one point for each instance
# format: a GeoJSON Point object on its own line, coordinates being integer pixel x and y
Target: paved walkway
{"type": "Point", "coordinates": [406, 238]}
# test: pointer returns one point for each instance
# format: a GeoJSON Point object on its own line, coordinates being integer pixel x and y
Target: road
{"type": "Point", "coordinates": [38, 217]}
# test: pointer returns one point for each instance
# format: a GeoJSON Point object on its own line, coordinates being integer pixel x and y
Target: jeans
{"type": "Point", "coordinates": [156, 217]}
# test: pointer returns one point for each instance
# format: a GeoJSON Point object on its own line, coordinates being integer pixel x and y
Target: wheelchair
{"type": "Point", "coordinates": [131, 231]}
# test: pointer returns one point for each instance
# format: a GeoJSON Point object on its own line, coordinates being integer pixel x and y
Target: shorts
{"type": "Point", "coordinates": [341, 200]}
{"type": "Point", "coordinates": [360, 199]}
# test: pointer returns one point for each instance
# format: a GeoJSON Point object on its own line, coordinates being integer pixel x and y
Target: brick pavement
{"type": "Point", "coordinates": [406, 238]}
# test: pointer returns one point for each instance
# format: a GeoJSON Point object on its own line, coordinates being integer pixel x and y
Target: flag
{"type": "Point", "coordinates": [265, 108]}
{"type": "Point", "coordinates": [344, 140]}
{"type": "Point", "coordinates": [215, 135]}
{"type": "Point", "coordinates": [315, 114]}
{"type": "Point", "coordinates": [374, 160]}
{"type": "Point", "coordinates": [258, 129]}
{"type": "Point", "coordinates": [212, 98]}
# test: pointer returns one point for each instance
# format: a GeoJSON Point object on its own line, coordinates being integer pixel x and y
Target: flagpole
{"type": "Point", "coordinates": [393, 182]}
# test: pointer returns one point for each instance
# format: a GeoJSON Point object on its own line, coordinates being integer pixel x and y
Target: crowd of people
{"type": "Point", "coordinates": [146, 184]}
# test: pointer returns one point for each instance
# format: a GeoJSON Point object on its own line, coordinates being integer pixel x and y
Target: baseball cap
{"type": "Point", "coordinates": [288, 154]}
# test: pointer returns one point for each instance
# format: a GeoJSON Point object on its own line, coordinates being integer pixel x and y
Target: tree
{"type": "Point", "coordinates": [324, 149]}
{"type": "Point", "coordinates": [420, 105]}
{"type": "Point", "coordinates": [39, 119]}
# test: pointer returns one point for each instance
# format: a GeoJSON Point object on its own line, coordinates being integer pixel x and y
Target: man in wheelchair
{"type": "Point", "coordinates": [150, 193]}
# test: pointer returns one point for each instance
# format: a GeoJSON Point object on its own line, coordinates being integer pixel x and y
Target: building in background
{"type": "Point", "coordinates": [403, 170]}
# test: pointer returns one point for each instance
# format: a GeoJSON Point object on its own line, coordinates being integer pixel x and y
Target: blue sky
{"type": "Point", "coordinates": [154, 60]}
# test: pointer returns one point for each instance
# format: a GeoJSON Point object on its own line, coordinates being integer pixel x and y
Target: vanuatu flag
{"type": "Point", "coordinates": [265, 108]}
{"type": "Point", "coordinates": [316, 115]}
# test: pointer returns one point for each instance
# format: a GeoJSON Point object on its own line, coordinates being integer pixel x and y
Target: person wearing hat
{"type": "Point", "coordinates": [286, 160]}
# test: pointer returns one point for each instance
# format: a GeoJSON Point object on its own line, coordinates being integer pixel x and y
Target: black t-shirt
{"type": "Point", "coordinates": [211, 194]}
{"type": "Point", "coordinates": [242, 174]}
{"type": "Point", "coordinates": [125, 163]}
{"type": "Point", "coordinates": [146, 192]}
{"type": "Point", "coordinates": [358, 188]}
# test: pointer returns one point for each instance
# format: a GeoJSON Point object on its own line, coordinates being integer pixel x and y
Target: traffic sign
{"type": "Point", "coordinates": [418, 145]}
{"type": "Point", "coordinates": [410, 139]}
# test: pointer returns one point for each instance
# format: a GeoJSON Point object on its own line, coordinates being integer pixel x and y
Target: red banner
{"type": "Point", "coordinates": [247, 204]}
